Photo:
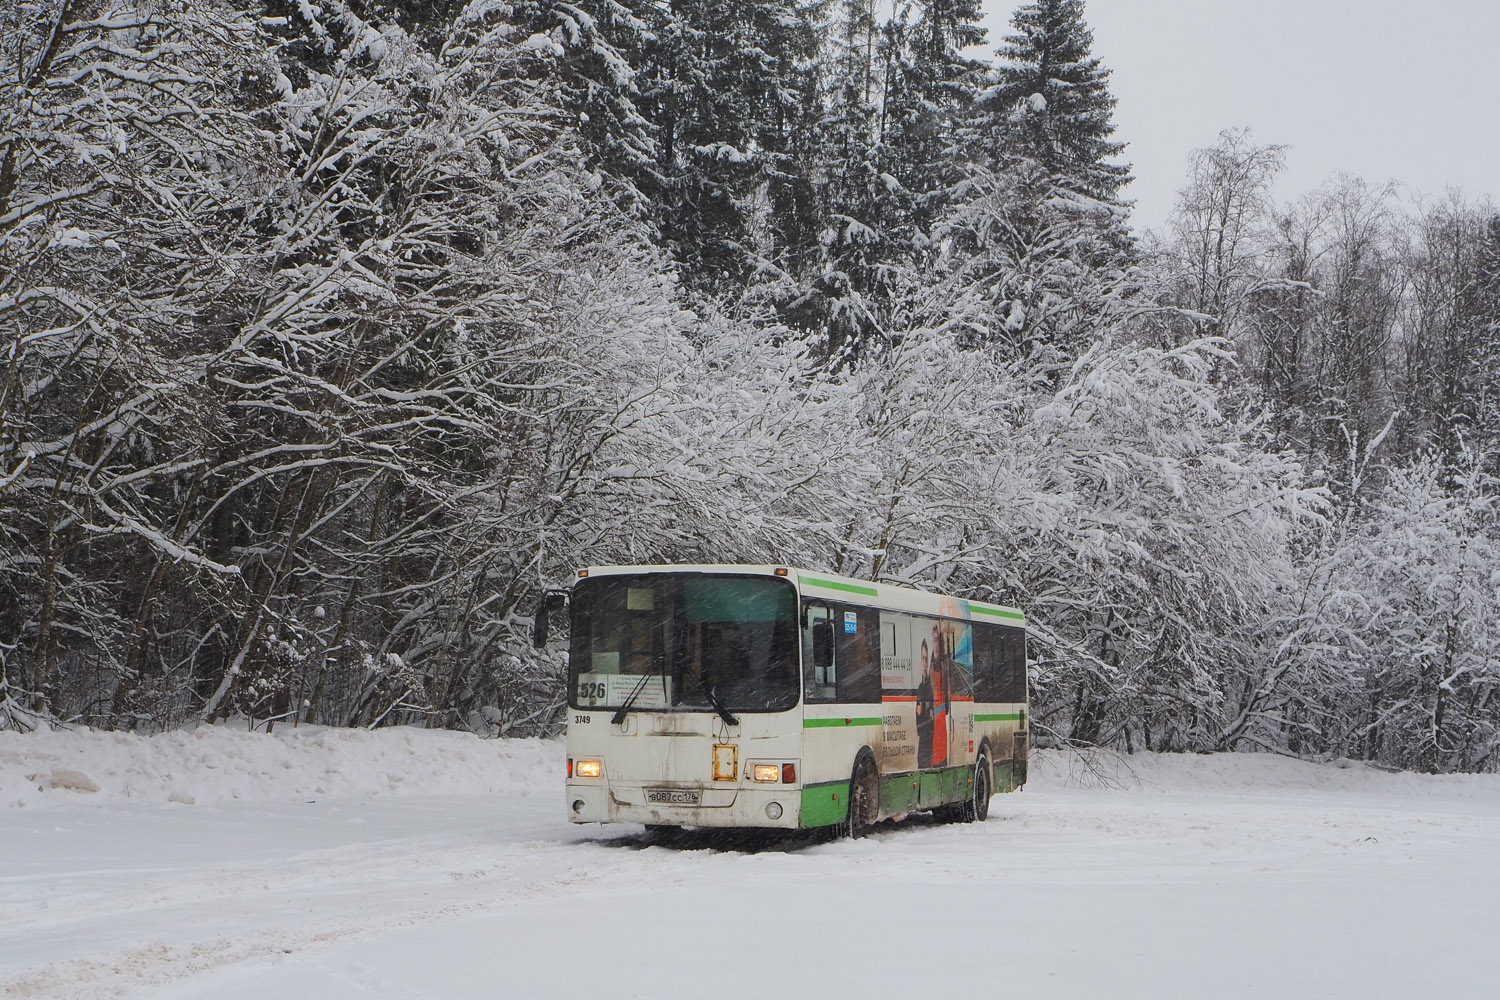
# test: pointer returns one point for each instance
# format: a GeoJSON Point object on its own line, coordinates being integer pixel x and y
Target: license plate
{"type": "Point", "coordinates": [673, 796]}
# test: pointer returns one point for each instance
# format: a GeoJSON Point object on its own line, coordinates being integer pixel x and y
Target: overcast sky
{"type": "Point", "coordinates": [1384, 89]}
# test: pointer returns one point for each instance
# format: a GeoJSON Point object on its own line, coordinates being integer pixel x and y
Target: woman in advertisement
{"type": "Point", "coordinates": [940, 663]}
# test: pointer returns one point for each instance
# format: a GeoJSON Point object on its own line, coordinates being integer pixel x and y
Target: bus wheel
{"type": "Point", "coordinates": [864, 799]}
{"type": "Point", "coordinates": [977, 809]}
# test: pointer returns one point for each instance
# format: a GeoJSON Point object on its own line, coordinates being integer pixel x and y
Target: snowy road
{"type": "Point", "coordinates": [1194, 877]}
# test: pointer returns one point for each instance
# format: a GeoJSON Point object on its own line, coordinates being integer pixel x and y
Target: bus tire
{"type": "Point", "coordinates": [864, 798]}
{"type": "Point", "coordinates": [981, 788]}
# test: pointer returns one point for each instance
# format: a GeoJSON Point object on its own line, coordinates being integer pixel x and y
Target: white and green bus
{"type": "Point", "coordinates": [765, 696]}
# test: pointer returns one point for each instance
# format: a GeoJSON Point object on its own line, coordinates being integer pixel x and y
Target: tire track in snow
{"type": "Point", "coordinates": [194, 919]}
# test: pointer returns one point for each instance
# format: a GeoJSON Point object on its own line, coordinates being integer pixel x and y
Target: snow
{"type": "Point", "coordinates": [412, 863]}
{"type": "Point", "coordinates": [543, 44]}
{"type": "Point", "coordinates": [219, 764]}
{"type": "Point", "coordinates": [68, 237]}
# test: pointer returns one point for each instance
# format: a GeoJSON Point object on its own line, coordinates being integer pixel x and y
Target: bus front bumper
{"type": "Point", "coordinates": [738, 806]}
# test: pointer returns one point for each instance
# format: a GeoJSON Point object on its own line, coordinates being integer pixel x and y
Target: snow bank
{"type": "Point", "coordinates": [219, 763]}
{"type": "Point", "coordinates": [1239, 773]}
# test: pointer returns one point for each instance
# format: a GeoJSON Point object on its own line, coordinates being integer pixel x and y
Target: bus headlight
{"type": "Point", "coordinates": [773, 810]}
{"type": "Point", "coordinates": [766, 772]}
{"type": "Point", "coordinates": [588, 768]}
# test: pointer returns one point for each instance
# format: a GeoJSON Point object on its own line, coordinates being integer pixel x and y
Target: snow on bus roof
{"type": "Point", "coordinates": [897, 598]}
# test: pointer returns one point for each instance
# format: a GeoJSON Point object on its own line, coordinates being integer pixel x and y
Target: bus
{"type": "Point", "coordinates": [768, 696]}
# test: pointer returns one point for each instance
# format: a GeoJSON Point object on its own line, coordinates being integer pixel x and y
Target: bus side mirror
{"type": "Point", "coordinates": [822, 644]}
{"type": "Point", "coordinates": [550, 602]}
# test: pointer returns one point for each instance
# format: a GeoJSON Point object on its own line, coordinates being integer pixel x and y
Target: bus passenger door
{"type": "Point", "coordinates": [820, 677]}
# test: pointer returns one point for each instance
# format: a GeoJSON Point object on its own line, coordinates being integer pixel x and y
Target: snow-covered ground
{"type": "Point", "coordinates": [403, 864]}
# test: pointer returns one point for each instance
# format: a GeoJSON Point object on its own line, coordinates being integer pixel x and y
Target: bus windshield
{"type": "Point", "coordinates": [684, 642]}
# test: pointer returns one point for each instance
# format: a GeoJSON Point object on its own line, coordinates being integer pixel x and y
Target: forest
{"type": "Point", "coordinates": [334, 333]}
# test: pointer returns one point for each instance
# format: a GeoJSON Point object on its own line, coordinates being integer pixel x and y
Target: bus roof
{"type": "Point", "coordinates": [835, 587]}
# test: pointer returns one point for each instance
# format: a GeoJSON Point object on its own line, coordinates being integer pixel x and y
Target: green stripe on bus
{"type": "Point", "coordinates": [997, 613]}
{"type": "Point", "coordinates": [825, 723]}
{"type": "Point", "coordinates": [809, 581]}
{"type": "Point", "coordinates": [1011, 717]}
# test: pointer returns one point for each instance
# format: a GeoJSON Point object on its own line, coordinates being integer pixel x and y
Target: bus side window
{"type": "Point", "coordinates": [858, 635]}
{"type": "Point", "coordinates": [999, 663]}
{"type": "Point", "coordinates": [989, 662]}
{"type": "Point", "coordinates": [1015, 665]}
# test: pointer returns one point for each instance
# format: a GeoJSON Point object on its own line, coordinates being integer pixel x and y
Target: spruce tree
{"type": "Point", "coordinates": [931, 87]}
{"type": "Point", "coordinates": [840, 301]}
{"type": "Point", "coordinates": [713, 84]}
{"type": "Point", "coordinates": [599, 47]}
{"type": "Point", "coordinates": [1051, 102]}
{"type": "Point", "coordinates": [847, 129]}
{"type": "Point", "coordinates": [787, 235]}
{"type": "Point", "coordinates": [1035, 230]}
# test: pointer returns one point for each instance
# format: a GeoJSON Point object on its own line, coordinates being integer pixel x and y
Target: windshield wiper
{"type": "Point", "coordinates": [713, 699]}
{"type": "Point", "coordinates": [640, 686]}
{"type": "Point", "coordinates": [635, 693]}
{"type": "Point", "coordinates": [708, 691]}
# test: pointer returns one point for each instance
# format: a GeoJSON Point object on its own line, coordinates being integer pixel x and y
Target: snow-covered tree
{"type": "Point", "coordinates": [930, 86]}
{"type": "Point", "coordinates": [840, 294]}
{"type": "Point", "coordinates": [1411, 606]}
{"type": "Point", "coordinates": [1221, 238]}
{"type": "Point", "coordinates": [334, 333]}
{"type": "Point", "coordinates": [714, 83]}
{"type": "Point", "coordinates": [1450, 334]}
{"type": "Point", "coordinates": [599, 46]}
{"type": "Point", "coordinates": [131, 174]}
{"type": "Point", "coordinates": [1050, 102]}
{"type": "Point", "coordinates": [1023, 278]}
{"type": "Point", "coordinates": [1172, 550]}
